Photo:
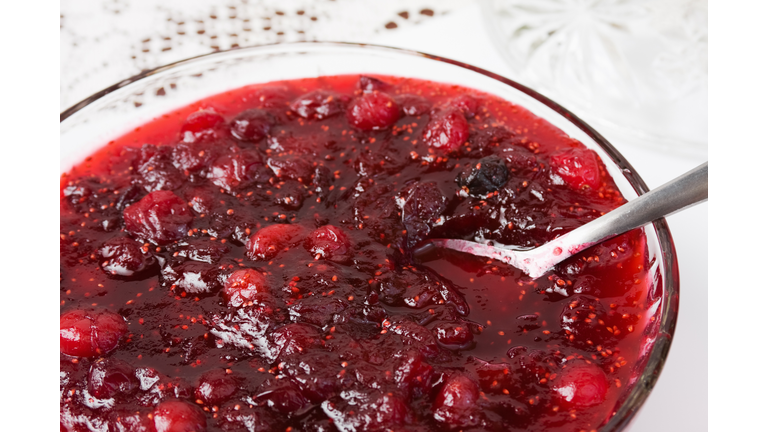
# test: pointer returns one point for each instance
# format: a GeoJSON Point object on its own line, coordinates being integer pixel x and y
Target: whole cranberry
{"type": "Point", "coordinates": [447, 130]}
{"type": "Point", "coordinates": [295, 338]}
{"type": "Point", "coordinates": [216, 386]}
{"type": "Point", "coordinates": [328, 242]}
{"type": "Point", "coordinates": [270, 240]}
{"type": "Point", "coordinates": [373, 111]}
{"type": "Point", "coordinates": [466, 104]}
{"type": "Point", "coordinates": [244, 286]}
{"type": "Point", "coordinates": [236, 169]}
{"type": "Point", "coordinates": [577, 167]}
{"type": "Point", "coordinates": [161, 217]}
{"type": "Point", "coordinates": [109, 377]}
{"type": "Point", "coordinates": [126, 421]}
{"type": "Point", "coordinates": [90, 333]}
{"type": "Point", "coordinates": [122, 256]}
{"type": "Point", "coordinates": [581, 386]}
{"type": "Point", "coordinates": [456, 401]}
{"type": "Point", "coordinates": [252, 125]}
{"type": "Point", "coordinates": [179, 416]}
{"type": "Point", "coordinates": [319, 104]}
{"type": "Point", "coordinates": [454, 335]}
{"type": "Point", "coordinates": [201, 125]}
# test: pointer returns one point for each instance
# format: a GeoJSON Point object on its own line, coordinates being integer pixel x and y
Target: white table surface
{"type": "Point", "coordinates": [100, 46]}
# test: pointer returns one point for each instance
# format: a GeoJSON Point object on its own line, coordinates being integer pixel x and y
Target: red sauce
{"type": "Point", "coordinates": [245, 263]}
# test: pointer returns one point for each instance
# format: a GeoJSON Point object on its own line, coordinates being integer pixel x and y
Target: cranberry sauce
{"type": "Point", "coordinates": [245, 264]}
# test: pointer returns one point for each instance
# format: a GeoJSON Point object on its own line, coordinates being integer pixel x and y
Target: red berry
{"type": "Point", "coordinates": [216, 386]}
{"type": "Point", "coordinates": [109, 377]}
{"type": "Point", "coordinates": [179, 416]}
{"type": "Point", "coordinates": [456, 401]}
{"type": "Point", "coordinates": [369, 84]}
{"type": "Point", "coordinates": [193, 156]}
{"type": "Point", "coordinates": [295, 338]}
{"type": "Point", "coordinates": [413, 105]}
{"type": "Point", "coordinates": [161, 217]}
{"type": "Point", "coordinates": [453, 334]}
{"type": "Point", "coordinates": [235, 170]}
{"type": "Point", "coordinates": [291, 166]}
{"type": "Point", "coordinates": [581, 386]}
{"type": "Point", "coordinates": [578, 168]}
{"type": "Point", "coordinates": [126, 421]}
{"type": "Point", "coordinates": [252, 125]}
{"type": "Point", "coordinates": [466, 104]}
{"type": "Point", "coordinates": [283, 396]}
{"type": "Point", "coordinates": [413, 374]}
{"type": "Point", "coordinates": [447, 130]}
{"type": "Point", "coordinates": [373, 111]}
{"type": "Point", "coordinates": [328, 242]}
{"type": "Point", "coordinates": [90, 333]}
{"type": "Point", "coordinates": [201, 124]}
{"type": "Point", "coordinates": [245, 286]}
{"type": "Point", "coordinates": [122, 256]}
{"type": "Point", "coordinates": [319, 104]}
{"type": "Point", "coordinates": [270, 240]}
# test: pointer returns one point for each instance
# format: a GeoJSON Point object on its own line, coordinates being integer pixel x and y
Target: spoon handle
{"type": "Point", "coordinates": [685, 191]}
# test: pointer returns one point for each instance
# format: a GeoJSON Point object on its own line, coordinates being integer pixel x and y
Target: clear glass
{"type": "Point", "coordinates": [637, 67]}
{"type": "Point", "coordinates": [92, 123]}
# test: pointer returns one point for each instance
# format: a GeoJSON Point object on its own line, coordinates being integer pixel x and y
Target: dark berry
{"type": "Point", "coordinates": [192, 276]}
{"type": "Point", "coordinates": [453, 335]}
{"type": "Point", "coordinates": [373, 111]}
{"type": "Point", "coordinates": [270, 240]}
{"type": "Point", "coordinates": [235, 170]}
{"type": "Point", "coordinates": [328, 242]}
{"type": "Point", "coordinates": [109, 377]}
{"type": "Point", "coordinates": [577, 167]}
{"type": "Point", "coordinates": [447, 130]}
{"type": "Point", "coordinates": [412, 105]}
{"type": "Point", "coordinates": [489, 174]}
{"type": "Point", "coordinates": [122, 256]}
{"type": "Point", "coordinates": [90, 333]}
{"type": "Point", "coordinates": [292, 167]}
{"type": "Point", "coordinates": [456, 402]}
{"type": "Point", "coordinates": [216, 386]}
{"type": "Point", "coordinates": [179, 416]}
{"type": "Point", "coordinates": [161, 217]}
{"type": "Point", "coordinates": [295, 338]}
{"type": "Point", "coordinates": [283, 396]}
{"type": "Point", "coordinates": [319, 104]}
{"type": "Point", "coordinates": [412, 373]}
{"type": "Point", "coordinates": [252, 125]}
{"type": "Point", "coordinates": [126, 421]}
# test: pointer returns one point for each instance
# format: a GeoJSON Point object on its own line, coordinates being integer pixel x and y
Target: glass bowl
{"type": "Point", "coordinates": [108, 114]}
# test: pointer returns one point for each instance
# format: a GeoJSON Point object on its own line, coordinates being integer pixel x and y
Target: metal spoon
{"type": "Point", "coordinates": [685, 191]}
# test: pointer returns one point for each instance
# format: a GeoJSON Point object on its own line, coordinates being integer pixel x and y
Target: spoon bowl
{"type": "Point", "coordinates": [685, 191]}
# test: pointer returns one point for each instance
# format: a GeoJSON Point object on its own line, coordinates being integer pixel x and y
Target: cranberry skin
{"type": "Point", "coordinates": [244, 286]}
{"type": "Point", "coordinates": [373, 111]}
{"type": "Point", "coordinates": [235, 170]}
{"type": "Point", "coordinates": [447, 130]}
{"type": "Point", "coordinates": [270, 240]}
{"type": "Point", "coordinates": [369, 84]}
{"type": "Point", "coordinates": [109, 377]}
{"type": "Point", "coordinates": [216, 386]}
{"type": "Point", "coordinates": [456, 401]}
{"type": "Point", "coordinates": [161, 217]}
{"type": "Point", "coordinates": [328, 242]}
{"type": "Point", "coordinates": [581, 386]}
{"type": "Point", "coordinates": [454, 334]}
{"type": "Point", "coordinates": [295, 338]}
{"type": "Point", "coordinates": [413, 374]}
{"type": "Point", "coordinates": [123, 257]}
{"type": "Point", "coordinates": [90, 333]}
{"type": "Point", "coordinates": [319, 104]}
{"type": "Point", "coordinates": [283, 396]}
{"type": "Point", "coordinates": [578, 168]}
{"type": "Point", "coordinates": [251, 125]}
{"type": "Point", "coordinates": [412, 105]}
{"type": "Point", "coordinates": [132, 422]}
{"type": "Point", "coordinates": [201, 124]}
{"type": "Point", "coordinates": [466, 104]}
{"type": "Point", "coordinates": [193, 156]}
{"type": "Point", "coordinates": [179, 416]}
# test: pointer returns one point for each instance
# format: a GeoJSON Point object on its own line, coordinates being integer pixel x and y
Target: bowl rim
{"type": "Point", "coordinates": [666, 327]}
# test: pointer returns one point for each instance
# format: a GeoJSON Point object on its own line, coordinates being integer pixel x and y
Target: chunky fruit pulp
{"type": "Point", "coordinates": [258, 246]}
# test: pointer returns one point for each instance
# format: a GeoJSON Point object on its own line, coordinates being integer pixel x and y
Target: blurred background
{"type": "Point", "coordinates": [636, 70]}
